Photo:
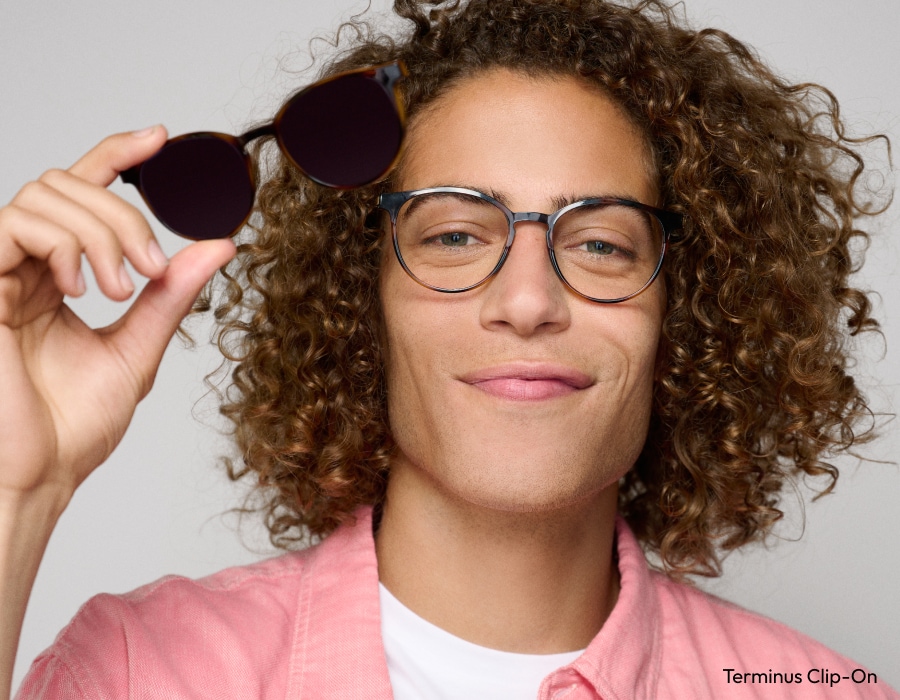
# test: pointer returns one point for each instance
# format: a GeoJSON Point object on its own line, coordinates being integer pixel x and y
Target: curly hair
{"type": "Point", "coordinates": [752, 386]}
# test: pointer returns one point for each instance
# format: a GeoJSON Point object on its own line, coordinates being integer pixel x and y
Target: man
{"type": "Point", "coordinates": [453, 478]}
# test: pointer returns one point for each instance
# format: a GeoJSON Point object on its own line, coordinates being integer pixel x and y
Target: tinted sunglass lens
{"type": "Point", "coordinates": [343, 133]}
{"type": "Point", "coordinates": [198, 186]}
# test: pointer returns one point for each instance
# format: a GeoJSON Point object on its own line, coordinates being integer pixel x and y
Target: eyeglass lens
{"type": "Point", "coordinates": [199, 187]}
{"type": "Point", "coordinates": [453, 241]}
{"type": "Point", "coordinates": [344, 132]}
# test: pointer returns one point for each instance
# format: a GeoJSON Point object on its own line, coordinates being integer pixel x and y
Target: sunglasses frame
{"type": "Point", "coordinates": [387, 75]}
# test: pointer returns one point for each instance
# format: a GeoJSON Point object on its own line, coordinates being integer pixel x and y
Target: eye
{"type": "Point", "coordinates": [454, 239]}
{"type": "Point", "coordinates": [600, 247]}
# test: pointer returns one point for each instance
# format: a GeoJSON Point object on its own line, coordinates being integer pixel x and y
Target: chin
{"type": "Point", "coordinates": [532, 458]}
{"type": "Point", "coordinates": [523, 485]}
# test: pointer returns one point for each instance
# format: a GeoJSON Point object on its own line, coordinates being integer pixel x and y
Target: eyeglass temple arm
{"type": "Point", "coordinates": [672, 221]}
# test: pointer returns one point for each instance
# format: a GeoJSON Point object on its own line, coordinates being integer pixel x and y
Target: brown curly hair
{"type": "Point", "coordinates": [752, 384]}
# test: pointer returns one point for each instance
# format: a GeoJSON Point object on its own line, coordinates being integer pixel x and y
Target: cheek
{"type": "Point", "coordinates": [511, 458]}
{"type": "Point", "coordinates": [408, 352]}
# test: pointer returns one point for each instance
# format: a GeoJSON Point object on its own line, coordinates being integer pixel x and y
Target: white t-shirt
{"type": "Point", "coordinates": [427, 663]}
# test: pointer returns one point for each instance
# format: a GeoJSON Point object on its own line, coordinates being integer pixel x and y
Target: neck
{"type": "Point", "coordinates": [537, 582]}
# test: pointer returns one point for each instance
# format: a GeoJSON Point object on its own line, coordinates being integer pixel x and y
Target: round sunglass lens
{"type": "Point", "coordinates": [199, 187]}
{"type": "Point", "coordinates": [343, 133]}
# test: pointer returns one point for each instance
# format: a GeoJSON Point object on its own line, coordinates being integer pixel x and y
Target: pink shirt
{"type": "Point", "coordinates": [307, 625]}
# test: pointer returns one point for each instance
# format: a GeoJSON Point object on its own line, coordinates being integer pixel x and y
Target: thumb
{"type": "Point", "coordinates": [140, 337]}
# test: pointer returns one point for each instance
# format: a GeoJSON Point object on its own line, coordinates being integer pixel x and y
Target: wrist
{"type": "Point", "coordinates": [47, 502]}
{"type": "Point", "coordinates": [26, 523]}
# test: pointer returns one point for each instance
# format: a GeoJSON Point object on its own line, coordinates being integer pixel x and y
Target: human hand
{"type": "Point", "coordinates": [68, 392]}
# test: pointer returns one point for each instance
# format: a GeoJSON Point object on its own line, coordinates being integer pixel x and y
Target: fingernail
{"type": "Point", "coordinates": [80, 286]}
{"type": "Point", "coordinates": [144, 132]}
{"type": "Point", "coordinates": [125, 280]}
{"type": "Point", "coordinates": [155, 253]}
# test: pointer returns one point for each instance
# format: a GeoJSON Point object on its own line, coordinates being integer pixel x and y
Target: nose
{"type": "Point", "coordinates": [526, 296]}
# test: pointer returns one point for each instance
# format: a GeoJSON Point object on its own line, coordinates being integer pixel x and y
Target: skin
{"type": "Point", "coordinates": [475, 531]}
{"type": "Point", "coordinates": [499, 519]}
{"type": "Point", "coordinates": [67, 391]}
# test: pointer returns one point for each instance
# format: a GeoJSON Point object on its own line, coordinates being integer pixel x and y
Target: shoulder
{"type": "Point", "coordinates": [214, 632]}
{"type": "Point", "coordinates": [709, 620]}
{"type": "Point", "coordinates": [749, 655]}
{"type": "Point", "coordinates": [227, 599]}
{"type": "Point", "coordinates": [242, 632]}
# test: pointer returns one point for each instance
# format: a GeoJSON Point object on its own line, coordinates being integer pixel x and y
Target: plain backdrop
{"type": "Point", "coordinates": [73, 72]}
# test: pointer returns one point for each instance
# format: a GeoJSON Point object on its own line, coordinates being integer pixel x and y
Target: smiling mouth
{"type": "Point", "coordinates": [528, 382]}
{"type": "Point", "coordinates": [520, 389]}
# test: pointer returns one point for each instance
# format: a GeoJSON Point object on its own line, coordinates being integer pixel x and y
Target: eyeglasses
{"type": "Point", "coordinates": [451, 239]}
{"type": "Point", "coordinates": [343, 132]}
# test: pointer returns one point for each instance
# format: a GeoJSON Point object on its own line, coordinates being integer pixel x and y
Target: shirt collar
{"type": "Point", "coordinates": [338, 650]}
{"type": "Point", "coordinates": [623, 660]}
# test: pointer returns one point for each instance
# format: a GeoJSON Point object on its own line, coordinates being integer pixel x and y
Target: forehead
{"type": "Point", "coordinates": [534, 139]}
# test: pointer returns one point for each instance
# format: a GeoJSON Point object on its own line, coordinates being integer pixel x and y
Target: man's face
{"type": "Point", "coordinates": [526, 439]}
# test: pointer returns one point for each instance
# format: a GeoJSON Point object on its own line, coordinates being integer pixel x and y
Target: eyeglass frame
{"type": "Point", "coordinates": [669, 221]}
{"type": "Point", "coordinates": [386, 75]}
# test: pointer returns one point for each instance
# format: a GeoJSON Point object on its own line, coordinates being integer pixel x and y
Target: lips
{"type": "Point", "coordinates": [528, 382]}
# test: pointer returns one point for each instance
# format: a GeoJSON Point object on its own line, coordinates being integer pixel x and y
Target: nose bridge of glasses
{"type": "Point", "coordinates": [248, 136]}
{"type": "Point", "coordinates": [531, 216]}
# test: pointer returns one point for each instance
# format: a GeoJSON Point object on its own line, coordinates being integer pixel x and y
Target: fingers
{"type": "Point", "coordinates": [134, 236]}
{"type": "Point", "coordinates": [31, 235]}
{"type": "Point", "coordinates": [103, 163]}
{"type": "Point", "coordinates": [105, 226]}
{"type": "Point", "coordinates": [76, 208]}
{"type": "Point", "coordinates": [140, 337]}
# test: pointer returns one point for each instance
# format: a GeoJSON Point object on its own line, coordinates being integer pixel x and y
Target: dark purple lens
{"type": "Point", "coordinates": [199, 186]}
{"type": "Point", "coordinates": [343, 133]}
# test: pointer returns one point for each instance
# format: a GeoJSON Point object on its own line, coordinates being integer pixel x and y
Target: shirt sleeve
{"type": "Point", "coordinates": [89, 657]}
{"type": "Point", "coordinates": [49, 679]}
{"type": "Point", "coordinates": [227, 636]}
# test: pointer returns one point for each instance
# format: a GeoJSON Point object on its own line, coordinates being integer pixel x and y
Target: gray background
{"type": "Point", "coordinates": [71, 73]}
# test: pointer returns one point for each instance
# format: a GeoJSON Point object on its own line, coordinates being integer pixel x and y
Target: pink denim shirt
{"type": "Point", "coordinates": [307, 625]}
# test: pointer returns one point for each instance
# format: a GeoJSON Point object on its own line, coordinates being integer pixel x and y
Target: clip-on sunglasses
{"type": "Point", "coordinates": [343, 132]}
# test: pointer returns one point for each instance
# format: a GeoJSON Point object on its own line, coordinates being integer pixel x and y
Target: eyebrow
{"type": "Point", "coordinates": [558, 201]}
{"type": "Point", "coordinates": [416, 202]}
